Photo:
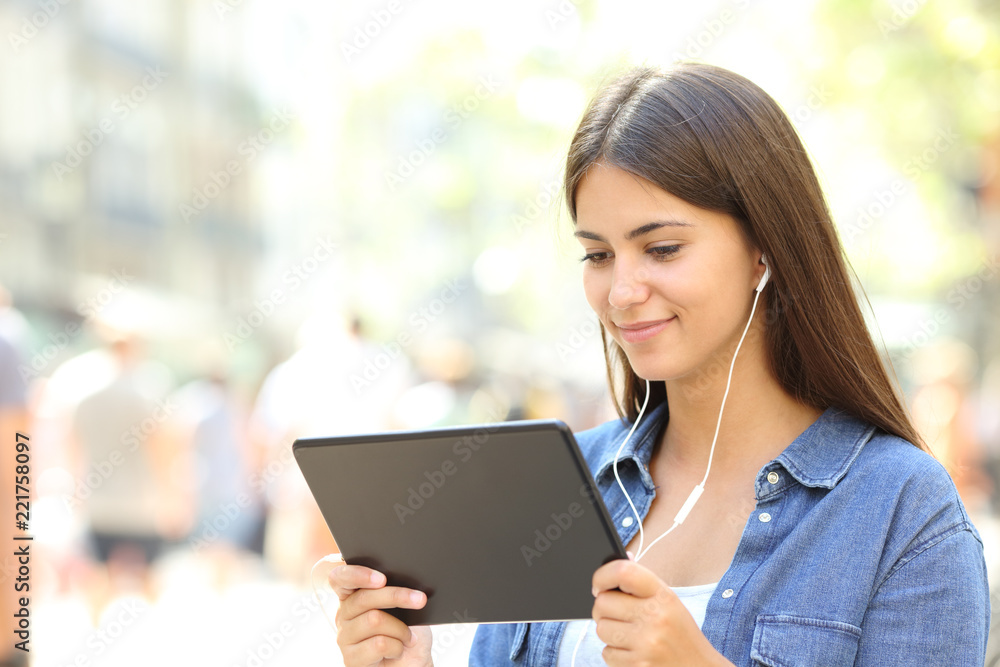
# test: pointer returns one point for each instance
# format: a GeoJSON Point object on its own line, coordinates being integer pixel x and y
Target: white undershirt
{"type": "Point", "coordinates": [694, 598]}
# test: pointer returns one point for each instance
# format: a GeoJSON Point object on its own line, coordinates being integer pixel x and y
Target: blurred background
{"type": "Point", "coordinates": [226, 224]}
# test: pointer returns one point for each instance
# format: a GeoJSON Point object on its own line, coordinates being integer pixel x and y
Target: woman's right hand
{"type": "Point", "coordinates": [367, 635]}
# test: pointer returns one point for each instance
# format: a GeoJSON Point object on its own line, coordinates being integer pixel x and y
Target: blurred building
{"type": "Point", "coordinates": [131, 148]}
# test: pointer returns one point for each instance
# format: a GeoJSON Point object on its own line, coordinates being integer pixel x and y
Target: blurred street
{"type": "Point", "coordinates": [227, 225]}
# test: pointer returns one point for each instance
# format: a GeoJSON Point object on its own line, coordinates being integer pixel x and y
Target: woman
{"type": "Point", "coordinates": [826, 534]}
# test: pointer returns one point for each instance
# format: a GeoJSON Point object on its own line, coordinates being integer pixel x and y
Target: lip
{"type": "Point", "coordinates": [637, 332]}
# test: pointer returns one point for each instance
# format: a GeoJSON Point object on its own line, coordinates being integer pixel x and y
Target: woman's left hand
{"type": "Point", "coordinates": [644, 622]}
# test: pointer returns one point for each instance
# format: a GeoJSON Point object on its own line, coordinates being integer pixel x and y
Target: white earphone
{"type": "Point", "coordinates": [767, 273]}
{"type": "Point", "coordinates": [697, 491]}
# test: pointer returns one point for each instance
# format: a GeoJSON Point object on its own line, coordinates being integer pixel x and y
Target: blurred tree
{"type": "Point", "coordinates": [927, 75]}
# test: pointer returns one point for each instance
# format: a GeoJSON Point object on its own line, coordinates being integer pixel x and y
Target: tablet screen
{"type": "Point", "coordinates": [495, 523]}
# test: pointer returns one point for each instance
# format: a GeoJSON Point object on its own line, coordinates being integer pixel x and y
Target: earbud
{"type": "Point", "coordinates": [767, 273]}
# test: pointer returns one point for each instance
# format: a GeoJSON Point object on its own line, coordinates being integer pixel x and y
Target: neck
{"type": "Point", "coordinates": [760, 418]}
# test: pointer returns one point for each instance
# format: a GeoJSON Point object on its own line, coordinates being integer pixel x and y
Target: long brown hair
{"type": "Point", "coordinates": [716, 140]}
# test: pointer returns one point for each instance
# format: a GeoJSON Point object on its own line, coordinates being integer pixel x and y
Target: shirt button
{"type": "Point", "coordinates": [728, 593]}
{"type": "Point", "coordinates": [764, 517]}
{"type": "Point", "coordinates": [772, 477]}
{"type": "Point", "coordinates": [627, 521]}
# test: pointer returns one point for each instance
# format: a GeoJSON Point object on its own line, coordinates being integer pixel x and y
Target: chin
{"type": "Point", "coordinates": [654, 371]}
{"type": "Point", "coordinates": [661, 362]}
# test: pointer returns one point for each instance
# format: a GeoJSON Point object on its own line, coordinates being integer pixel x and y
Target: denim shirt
{"type": "Point", "coordinates": [858, 552]}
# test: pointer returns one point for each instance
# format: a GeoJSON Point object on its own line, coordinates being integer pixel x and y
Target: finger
{"type": "Point", "coordinates": [639, 613]}
{"type": "Point", "coordinates": [616, 634]}
{"type": "Point", "coordinates": [617, 657]}
{"type": "Point", "coordinates": [372, 651]}
{"type": "Point", "coordinates": [388, 597]}
{"type": "Point", "coordinates": [628, 576]}
{"type": "Point", "coordinates": [616, 605]}
{"type": "Point", "coordinates": [345, 579]}
{"type": "Point", "coordinates": [373, 623]}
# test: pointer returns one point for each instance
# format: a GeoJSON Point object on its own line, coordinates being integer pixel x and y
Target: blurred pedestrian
{"type": "Point", "coordinates": [337, 382]}
{"type": "Point", "coordinates": [126, 486]}
{"type": "Point", "coordinates": [13, 420]}
{"type": "Point", "coordinates": [944, 412]}
{"type": "Point", "coordinates": [210, 426]}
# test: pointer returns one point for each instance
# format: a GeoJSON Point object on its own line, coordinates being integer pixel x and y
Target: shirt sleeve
{"type": "Point", "coordinates": [933, 609]}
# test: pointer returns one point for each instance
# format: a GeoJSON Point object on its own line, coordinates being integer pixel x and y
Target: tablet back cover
{"type": "Point", "coordinates": [496, 523]}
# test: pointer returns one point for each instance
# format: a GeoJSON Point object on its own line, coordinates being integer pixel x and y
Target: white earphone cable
{"type": "Point", "coordinates": [696, 493]}
{"type": "Point", "coordinates": [615, 466]}
{"type": "Point", "coordinates": [335, 560]}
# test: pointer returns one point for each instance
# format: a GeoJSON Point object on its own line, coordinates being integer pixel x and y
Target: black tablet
{"type": "Point", "coordinates": [496, 523]}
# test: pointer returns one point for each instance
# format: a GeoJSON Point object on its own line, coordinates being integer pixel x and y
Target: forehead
{"type": "Point", "coordinates": [604, 188]}
{"type": "Point", "coordinates": [609, 198]}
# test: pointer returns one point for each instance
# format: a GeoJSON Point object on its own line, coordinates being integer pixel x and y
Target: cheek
{"type": "Point", "coordinates": [699, 283]}
{"type": "Point", "coordinates": [677, 289]}
{"type": "Point", "coordinates": [596, 287]}
{"type": "Point", "coordinates": [713, 307]}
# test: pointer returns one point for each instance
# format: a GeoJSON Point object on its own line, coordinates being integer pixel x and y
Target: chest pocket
{"type": "Point", "coordinates": [797, 641]}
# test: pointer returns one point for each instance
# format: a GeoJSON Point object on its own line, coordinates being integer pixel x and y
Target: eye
{"type": "Point", "coordinates": [596, 258]}
{"type": "Point", "coordinates": [664, 251]}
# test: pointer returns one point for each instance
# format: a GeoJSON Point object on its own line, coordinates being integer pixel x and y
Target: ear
{"type": "Point", "coordinates": [765, 274]}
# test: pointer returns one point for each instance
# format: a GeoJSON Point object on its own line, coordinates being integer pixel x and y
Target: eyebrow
{"type": "Point", "coordinates": [635, 233]}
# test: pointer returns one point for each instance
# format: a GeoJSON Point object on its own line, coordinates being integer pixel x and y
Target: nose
{"type": "Point", "coordinates": [628, 285]}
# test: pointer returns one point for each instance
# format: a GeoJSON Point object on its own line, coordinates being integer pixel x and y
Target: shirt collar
{"type": "Point", "coordinates": [818, 457]}
{"type": "Point", "coordinates": [821, 455]}
{"type": "Point", "coordinates": [640, 446]}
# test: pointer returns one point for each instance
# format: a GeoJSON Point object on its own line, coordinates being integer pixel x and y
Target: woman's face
{"type": "Point", "coordinates": [672, 283]}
